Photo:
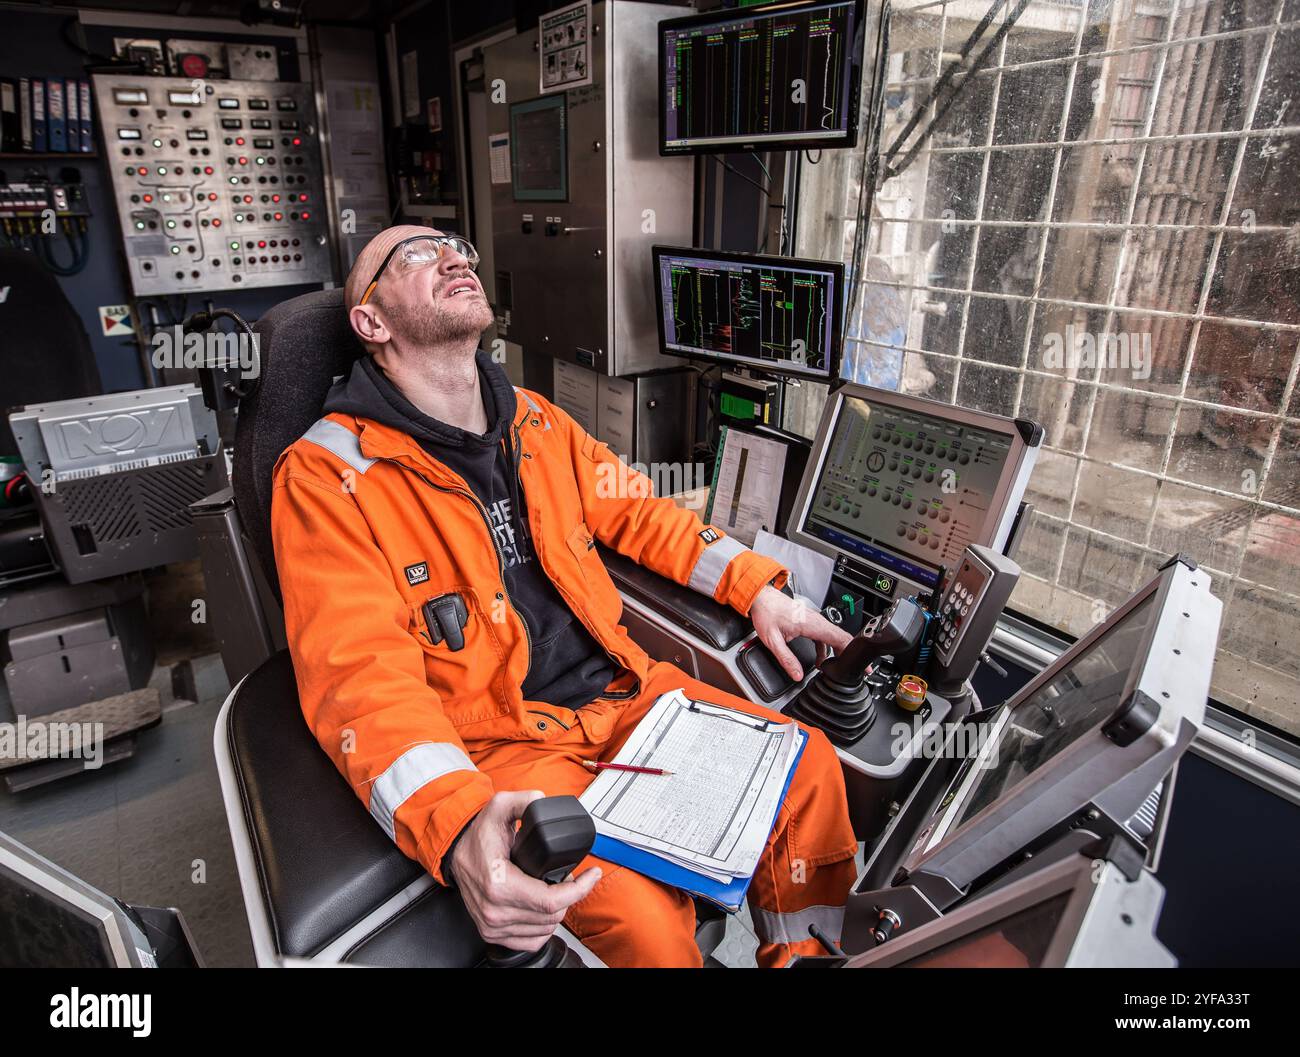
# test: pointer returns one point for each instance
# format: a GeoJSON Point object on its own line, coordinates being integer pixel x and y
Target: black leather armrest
{"type": "Point", "coordinates": [711, 621]}
{"type": "Point", "coordinates": [764, 671]}
{"type": "Point", "coordinates": [324, 862]}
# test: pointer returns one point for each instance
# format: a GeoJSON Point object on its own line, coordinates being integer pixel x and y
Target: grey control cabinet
{"type": "Point", "coordinates": [581, 198]}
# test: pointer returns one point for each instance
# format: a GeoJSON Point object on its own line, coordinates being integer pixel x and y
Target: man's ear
{"type": "Point", "coordinates": [367, 325]}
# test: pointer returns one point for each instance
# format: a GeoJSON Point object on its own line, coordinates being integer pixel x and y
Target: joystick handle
{"type": "Point", "coordinates": [554, 836]}
{"type": "Point", "coordinates": [839, 700]}
{"type": "Point", "coordinates": [896, 630]}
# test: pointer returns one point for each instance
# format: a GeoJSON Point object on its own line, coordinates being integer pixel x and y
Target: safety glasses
{"type": "Point", "coordinates": [419, 251]}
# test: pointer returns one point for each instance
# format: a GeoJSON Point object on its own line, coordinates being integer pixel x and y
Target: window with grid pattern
{"type": "Point", "coordinates": [1101, 231]}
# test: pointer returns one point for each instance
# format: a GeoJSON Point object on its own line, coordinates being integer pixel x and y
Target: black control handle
{"type": "Point", "coordinates": [898, 629]}
{"type": "Point", "coordinates": [554, 836]}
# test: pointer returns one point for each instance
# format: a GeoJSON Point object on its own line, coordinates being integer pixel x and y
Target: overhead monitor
{"type": "Point", "coordinates": [898, 487]}
{"type": "Point", "coordinates": [50, 919]}
{"type": "Point", "coordinates": [1068, 914]}
{"type": "Point", "coordinates": [1096, 731]}
{"type": "Point", "coordinates": [778, 77]}
{"type": "Point", "coordinates": [782, 315]}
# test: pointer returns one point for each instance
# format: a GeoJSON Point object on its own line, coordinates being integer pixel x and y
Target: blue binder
{"type": "Point", "coordinates": [647, 863]}
{"type": "Point", "coordinates": [56, 121]}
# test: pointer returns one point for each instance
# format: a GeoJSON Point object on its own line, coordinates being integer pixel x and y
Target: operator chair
{"type": "Point", "coordinates": [320, 879]}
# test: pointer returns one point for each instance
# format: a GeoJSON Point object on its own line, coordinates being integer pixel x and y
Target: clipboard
{"type": "Point", "coordinates": [728, 896]}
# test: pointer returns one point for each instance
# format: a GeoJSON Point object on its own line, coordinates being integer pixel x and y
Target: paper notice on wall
{"type": "Point", "coordinates": [565, 52]}
{"type": "Point", "coordinates": [352, 104]}
{"type": "Point", "coordinates": [357, 181]}
{"type": "Point", "coordinates": [499, 157]}
{"type": "Point", "coordinates": [411, 84]}
{"type": "Point", "coordinates": [355, 122]}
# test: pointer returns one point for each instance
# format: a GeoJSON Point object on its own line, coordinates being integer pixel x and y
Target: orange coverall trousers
{"type": "Point", "coordinates": [628, 919]}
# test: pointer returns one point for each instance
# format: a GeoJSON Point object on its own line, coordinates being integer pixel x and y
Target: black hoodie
{"type": "Point", "coordinates": [566, 666]}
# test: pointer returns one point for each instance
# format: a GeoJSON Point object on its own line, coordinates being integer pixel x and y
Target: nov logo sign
{"type": "Point", "coordinates": [121, 431]}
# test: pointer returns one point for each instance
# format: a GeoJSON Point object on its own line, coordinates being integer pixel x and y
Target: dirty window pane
{"type": "Point", "coordinates": [1120, 176]}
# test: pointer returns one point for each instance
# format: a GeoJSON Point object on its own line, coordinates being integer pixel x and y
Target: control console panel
{"type": "Point", "coordinates": [219, 184]}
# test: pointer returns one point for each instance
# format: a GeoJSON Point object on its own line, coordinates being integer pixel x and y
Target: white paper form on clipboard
{"type": "Point", "coordinates": [714, 812]}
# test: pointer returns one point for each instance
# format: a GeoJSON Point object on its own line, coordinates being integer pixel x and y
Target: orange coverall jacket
{"type": "Point", "coordinates": [368, 527]}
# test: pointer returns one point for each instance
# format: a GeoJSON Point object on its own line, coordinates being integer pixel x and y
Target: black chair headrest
{"type": "Point", "coordinates": [305, 343]}
{"type": "Point", "coordinates": [50, 357]}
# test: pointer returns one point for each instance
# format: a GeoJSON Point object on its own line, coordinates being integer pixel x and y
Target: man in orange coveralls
{"type": "Point", "coordinates": [456, 636]}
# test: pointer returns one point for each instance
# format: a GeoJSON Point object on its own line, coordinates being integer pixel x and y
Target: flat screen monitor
{"type": "Point", "coordinates": [778, 77]}
{"type": "Point", "coordinates": [1070, 913]}
{"type": "Point", "coordinates": [50, 919]}
{"type": "Point", "coordinates": [898, 487]}
{"type": "Point", "coordinates": [539, 161]}
{"type": "Point", "coordinates": [1096, 731]}
{"type": "Point", "coordinates": [782, 315]}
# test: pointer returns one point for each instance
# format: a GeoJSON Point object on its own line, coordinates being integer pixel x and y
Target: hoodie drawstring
{"type": "Point", "coordinates": [512, 476]}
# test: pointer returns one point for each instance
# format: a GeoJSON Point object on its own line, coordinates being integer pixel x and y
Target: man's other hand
{"type": "Point", "coordinates": [509, 907]}
{"type": "Point", "coordinates": [778, 618]}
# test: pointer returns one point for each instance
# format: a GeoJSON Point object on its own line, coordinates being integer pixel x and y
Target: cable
{"type": "Point", "coordinates": [870, 166]}
{"type": "Point", "coordinates": [205, 319]}
{"type": "Point", "coordinates": [736, 172]}
{"type": "Point", "coordinates": [944, 81]}
{"type": "Point", "coordinates": [80, 254]}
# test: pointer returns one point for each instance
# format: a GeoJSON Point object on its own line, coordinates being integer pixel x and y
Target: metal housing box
{"type": "Point", "coordinates": [574, 269]}
{"type": "Point", "coordinates": [75, 659]}
{"type": "Point", "coordinates": [218, 184]}
{"type": "Point", "coordinates": [115, 476]}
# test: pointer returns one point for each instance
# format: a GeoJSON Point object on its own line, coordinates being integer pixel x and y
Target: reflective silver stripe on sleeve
{"type": "Point", "coordinates": [340, 441]}
{"type": "Point", "coordinates": [771, 927]}
{"type": "Point", "coordinates": [411, 771]}
{"type": "Point", "coordinates": [712, 563]}
{"type": "Point", "coordinates": [534, 406]}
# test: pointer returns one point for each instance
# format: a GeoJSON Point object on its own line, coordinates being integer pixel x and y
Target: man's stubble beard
{"type": "Point", "coordinates": [427, 325]}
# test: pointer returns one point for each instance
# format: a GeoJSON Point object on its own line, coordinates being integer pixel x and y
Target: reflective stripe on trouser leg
{"type": "Point", "coordinates": [792, 927]}
{"type": "Point", "coordinates": [411, 771]}
{"type": "Point", "coordinates": [712, 563]}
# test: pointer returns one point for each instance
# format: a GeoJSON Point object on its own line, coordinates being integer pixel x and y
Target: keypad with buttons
{"type": "Point", "coordinates": [963, 595]}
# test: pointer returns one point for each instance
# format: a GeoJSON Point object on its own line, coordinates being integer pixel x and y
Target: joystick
{"type": "Point", "coordinates": [555, 835]}
{"type": "Point", "coordinates": [841, 699]}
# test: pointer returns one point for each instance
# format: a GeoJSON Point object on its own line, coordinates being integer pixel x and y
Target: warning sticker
{"type": "Point", "coordinates": [115, 320]}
